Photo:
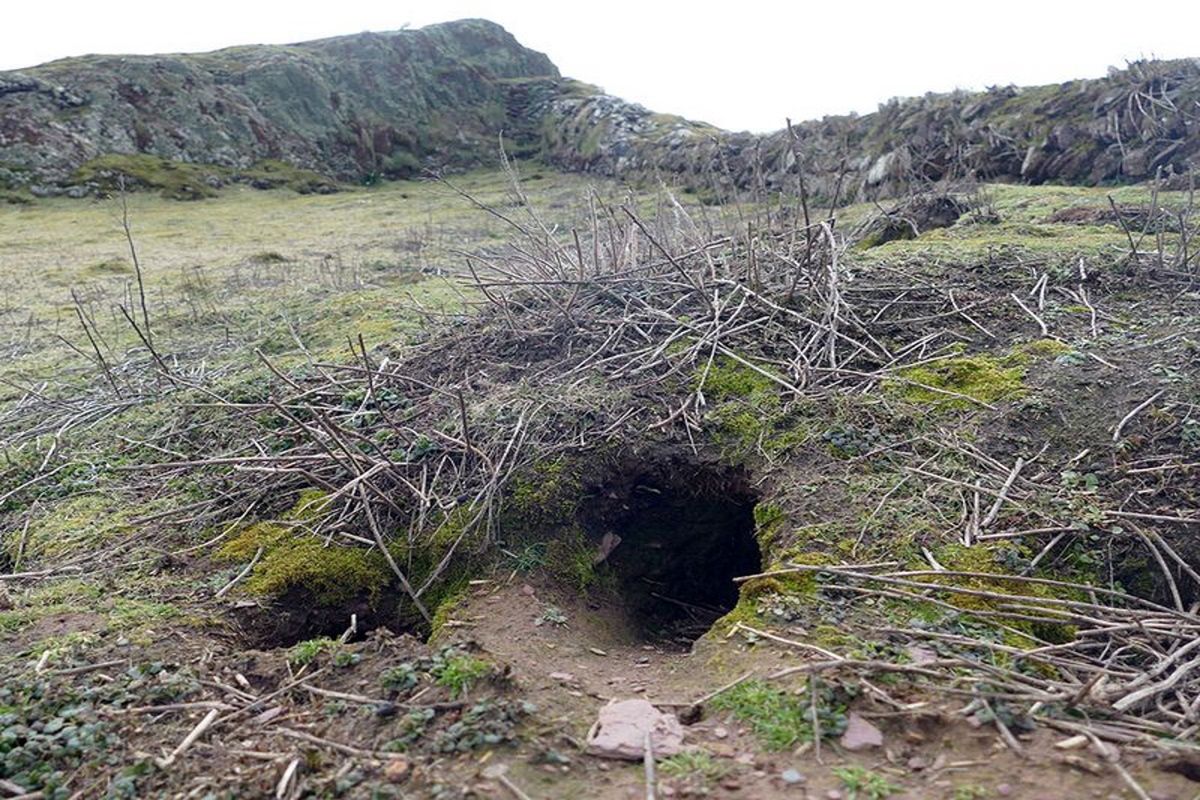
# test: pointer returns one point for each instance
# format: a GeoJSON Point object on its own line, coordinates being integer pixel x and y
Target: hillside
{"type": "Point", "coordinates": [357, 108]}
{"type": "Point", "coordinates": [1124, 127]}
{"type": "Point", "coordinates": [345, 107]}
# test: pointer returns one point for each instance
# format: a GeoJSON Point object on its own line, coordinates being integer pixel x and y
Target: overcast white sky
{"type": "Point", "coordinates": [740, 65]}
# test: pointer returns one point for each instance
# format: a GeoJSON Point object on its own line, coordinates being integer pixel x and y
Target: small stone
{"type": "Point", "coordinates": [528, 590]}
{"type": "Point", "coordinates": [791, 777]}
{"type": "Point", "coordinates": [730, 784]}
{"type": "Point", "coordinates": [622, 727]}
{"type": "Point", "coordinates": [597, 651]}
{"type": "Point", "coordinates": [860, 734]}
{"type": "Point", "coordinates": [396, 770]}
{"type": "Point", "coordinates": [562, 677]}
{"type": "Point", "coordinates": [833, 794]}
{"type": "Point", "coordinates": [720, 732]}
{"type": "Point", "coordinates": [1004, 790]}
{"type": "Point", "coordinates": [745, 758]}
{"type": "Point", "coordinates": [918, 763]}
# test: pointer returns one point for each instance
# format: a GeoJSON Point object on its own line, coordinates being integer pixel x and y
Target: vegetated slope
{"type": "Point", "coordinates": [347, 107]}
{"type": "Point", "coordinates": [390, 104]}
{"type": "Point", "coordinates": [1123, 127]}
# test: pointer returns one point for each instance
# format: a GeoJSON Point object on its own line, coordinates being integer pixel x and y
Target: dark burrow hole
{"type": "Point", "coordinates": [682, 533]}
{"type": "Point", "coordinates": [298, 616]}
{"type": "Point", "coordinates": [668, 537]}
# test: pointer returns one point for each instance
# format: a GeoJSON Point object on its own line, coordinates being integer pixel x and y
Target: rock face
{"type": "Point", "coordinates": [346, 107]}
{"type": "Point", "coordinates": [1123, 127]}
{"type": "Point", "coordinates": [390, 104]}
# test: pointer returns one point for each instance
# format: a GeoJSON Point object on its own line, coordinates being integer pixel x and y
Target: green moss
{"type": "Point", "coordinates": [746, 413]}
{"type": "Point", "coordinates": [333, 574]}
{"type": "Point", "coordinates": [831, 637]}
{"type": "Point", "coordinates": [551, 492]}
{"type": "Point", "coordinates": [310, 506]}
{"type": "Point", "coordinates": [308, 651]}
{"type": "Point", "coordinates": [75, 525]}
{"type": "Point", "coordinates": [273, 174]}
{"type": "Point", "coordinates": [447, 605]}
{"type": "Point", "coordinates": [176, 179]}
{"type": "Point", "coordinates": [981, 377]}
{"type": "Point", "coordinates": [453, 529]}
{"type": "Point", "coordinates": [180, 180]}
{"type": "Point", "coordinates": [769, 522]}
{"type": "Point", "coordinates": [802, 583]}
{"type": "Point", "coordinates": [570, 556]}
{"type": "Point", "coordinates": [291, 560]}
{"type": "Point", "coordinates": [459, 671]}
{"type": "Point", "coordinates": [728, 378]}
{"type": "Point", "coordinates": [992, 559]}
{"type": "Point", "coordinates": [1043, 348]}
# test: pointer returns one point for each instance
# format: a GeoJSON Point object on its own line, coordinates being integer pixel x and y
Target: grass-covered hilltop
{"type": "Point", "coordinates": [467, 399]}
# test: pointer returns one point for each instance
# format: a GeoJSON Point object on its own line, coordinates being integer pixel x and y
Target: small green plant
{"type": "Point", "coordinates": [457, 671]}
{"type": "Point", "coordinates": [401, 678]}
{"type": "Point", "coordinates": [693, 765]}
{"type": "Point", "coordinates": [1190, 434]}
{"type": "Point", "coordinates": [530, 557]}
{"type": "Point", "coordinates": [344, 659]}
{"type": "Point", "coordinates": [484, 724]}
{"type": "Point", "coordinates": [863, 784]}
{"type": "Point", "coordinates": [779, 719]}
{"type": "Point", "coordinates": [307, 651]}
{"type": "Point", "coordinates": [412, 727]}
{"type": "Point", "coordinates": [552, 615]}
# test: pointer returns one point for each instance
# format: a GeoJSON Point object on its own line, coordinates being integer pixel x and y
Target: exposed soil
{"type": "Point", "coordinates": [569, 671]}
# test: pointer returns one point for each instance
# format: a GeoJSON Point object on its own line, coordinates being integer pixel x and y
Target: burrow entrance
{"type": "Point", "coordinates": [673, 536]}
{"type": "Point", "coordinates": [667, 538]}
{"type": "Point", "coordinates": [298, 616]}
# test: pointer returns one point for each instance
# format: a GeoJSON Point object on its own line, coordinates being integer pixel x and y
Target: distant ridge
{"type": "Point", "coordinates": [388, 105]}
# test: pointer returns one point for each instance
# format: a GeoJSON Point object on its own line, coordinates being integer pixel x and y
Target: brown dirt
{"type": "Point", "coordinates": [928, 752]}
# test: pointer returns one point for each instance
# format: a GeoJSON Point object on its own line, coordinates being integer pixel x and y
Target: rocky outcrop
{"type": "Point", "coordinates": [1124, 127]}
{"type": "Point", "coordinates": [349, 107]}
{"type": "Point", "coordinates": [390, 104]}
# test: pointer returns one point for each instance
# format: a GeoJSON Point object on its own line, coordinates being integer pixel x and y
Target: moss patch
{"type": "Point", "coordinates": [332, 573]}
{"type": "Point", "coordinates": [179, 180]}
{"type": "Point", "coordinates": [175, 179]}
{"type": "Point", "coordinates": [980, 377]}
